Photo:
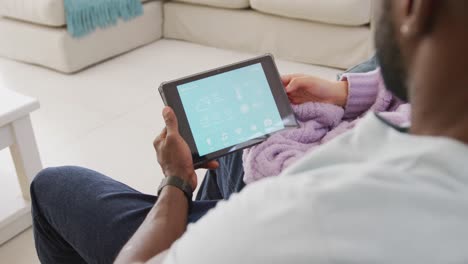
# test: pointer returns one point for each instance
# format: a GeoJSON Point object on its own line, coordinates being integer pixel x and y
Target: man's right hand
{"type": "Point", "coordinates": [303, 88]}
{"type": "Point", "coordinates": [173, 152]}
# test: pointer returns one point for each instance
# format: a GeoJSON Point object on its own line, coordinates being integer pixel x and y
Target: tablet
{"type": "Point", "coordinates": [229, 108]}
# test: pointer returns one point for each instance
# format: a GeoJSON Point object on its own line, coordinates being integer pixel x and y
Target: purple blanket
{"type": "Point", "coordinates": [280, 150]}
{"type": "Point", "coordinates": [320, 123]}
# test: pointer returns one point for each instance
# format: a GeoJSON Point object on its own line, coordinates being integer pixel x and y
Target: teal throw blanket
{"type": "Point", "coordinates": [84, 16]}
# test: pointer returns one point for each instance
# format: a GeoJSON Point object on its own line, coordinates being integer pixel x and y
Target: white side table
{"type": "Point", "coordinates": [16, 133]}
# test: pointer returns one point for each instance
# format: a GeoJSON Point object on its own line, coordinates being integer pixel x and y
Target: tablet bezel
{"type": "Point", "coordinates": [170, 96]}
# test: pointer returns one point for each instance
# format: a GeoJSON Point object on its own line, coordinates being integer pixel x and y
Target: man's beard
{"type": "Point", "coordinates": [389, 54]}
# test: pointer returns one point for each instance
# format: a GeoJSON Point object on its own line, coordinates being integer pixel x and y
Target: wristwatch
{"type": "Point", "coordinates": [178, 183]}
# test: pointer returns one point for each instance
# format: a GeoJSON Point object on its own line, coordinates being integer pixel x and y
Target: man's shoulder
{"type": "Point", "coordinates": [334, 186]}
{"type": "Point", "coordinates": [324, 210]}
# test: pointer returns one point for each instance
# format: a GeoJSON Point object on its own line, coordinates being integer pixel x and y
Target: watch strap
{"type": "Point", "coordinates": [179, 183]}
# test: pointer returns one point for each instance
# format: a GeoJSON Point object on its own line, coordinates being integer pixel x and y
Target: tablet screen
{"type": "Point", "coordinates": [230, 108]}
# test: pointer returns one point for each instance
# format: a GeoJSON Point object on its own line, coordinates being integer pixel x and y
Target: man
{"type": "Point", "coordinates": [385, 197]}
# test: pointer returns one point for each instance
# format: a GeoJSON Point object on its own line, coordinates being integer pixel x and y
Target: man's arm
{"type": "Point", "coordinates": [167, 220]}
{"type": "Point", "coordinates": [165, 223]}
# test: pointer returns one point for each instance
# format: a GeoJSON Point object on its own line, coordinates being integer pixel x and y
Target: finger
{"type": "Point", "coordinates": [211, 165]}
{"type": "Point", "coordinates": [171, 121]}
{"type": "Point", "coordinates": [286, 79]}
{"type": "Point", "coordinates": [296, 83]}
{"type": "Point", "coordinates": [160, 137]}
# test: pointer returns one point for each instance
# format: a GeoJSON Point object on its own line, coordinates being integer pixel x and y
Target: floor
{"type": "Point", "coordinates": [106, 117]}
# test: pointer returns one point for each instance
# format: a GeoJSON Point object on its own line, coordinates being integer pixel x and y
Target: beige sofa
{"type": "Point", "coordinates": [334, 33]}
{"type": "Point", "coordinates": [34, 31]}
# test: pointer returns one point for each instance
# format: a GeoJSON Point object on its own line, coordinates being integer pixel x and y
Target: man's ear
{"type": "Point", "coordinates": [418, 17]}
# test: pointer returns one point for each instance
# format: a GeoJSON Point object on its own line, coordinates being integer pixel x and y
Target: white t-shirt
{"type": "Point", "coordinates": [373, 195]}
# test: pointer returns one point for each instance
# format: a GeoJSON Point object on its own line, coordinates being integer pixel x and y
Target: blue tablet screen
{"type": "Point", "coordinates": [230, 108]}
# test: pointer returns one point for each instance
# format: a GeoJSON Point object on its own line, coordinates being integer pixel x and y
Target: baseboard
{"type": "Point", "coordinates": [13, 224]}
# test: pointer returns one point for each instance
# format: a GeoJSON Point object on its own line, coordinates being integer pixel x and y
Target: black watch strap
{"type": "Point", "coordinates": [178, 183]}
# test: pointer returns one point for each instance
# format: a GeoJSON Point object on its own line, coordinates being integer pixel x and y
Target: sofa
{"type": "Point", "coordinates": [333, 33]}
{"type": "Point", "coordinates": [34, 31]}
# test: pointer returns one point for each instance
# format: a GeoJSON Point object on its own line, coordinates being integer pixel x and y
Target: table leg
{"type": "Point", "coordinates": [25, 154]}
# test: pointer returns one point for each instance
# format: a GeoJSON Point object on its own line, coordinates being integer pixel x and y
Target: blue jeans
{"type": "Point", "coordinates": [82, 216]}
{"type": "Point", "coordinates": [219, 184]}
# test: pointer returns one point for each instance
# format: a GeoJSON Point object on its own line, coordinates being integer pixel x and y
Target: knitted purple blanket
{"type": "Point", "coordinates": [320, 123]}
{"type": "Point", "coordinates": [282, 149]}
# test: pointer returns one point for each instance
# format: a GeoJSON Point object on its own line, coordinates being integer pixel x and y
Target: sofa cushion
{"type": "Point", "coordinates": [339, 12]}
{"type": "Point", "coordinates": [55, 48]}
{"type": "Point", "coordinates": [234, 4]}
{"type": "Point", "coordinates": [44, 12]}
{"type": "Point", "coordinates": [256, 32]}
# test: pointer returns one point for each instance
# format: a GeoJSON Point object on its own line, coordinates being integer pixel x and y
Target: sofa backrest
{"type": "Point", "coordinates": [337, 12]}
{"type": "Point", "coordinates": [234, 4]}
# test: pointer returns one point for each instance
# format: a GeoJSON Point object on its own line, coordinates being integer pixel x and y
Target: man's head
{"type": "Point", "coordinates": [389, 53]}
{"type": "Point", "coordinates": [422, 47]}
